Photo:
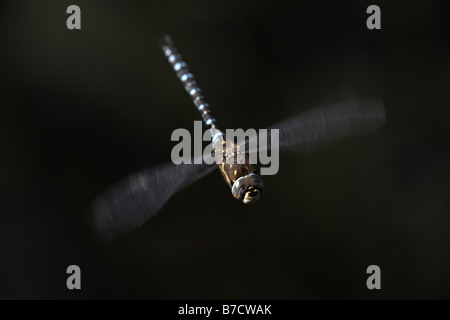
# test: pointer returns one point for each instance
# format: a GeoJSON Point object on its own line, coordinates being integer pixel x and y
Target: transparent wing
{"type": "Point", "coordinates": [324, 124]}
{"type": "Point", "coordinates": [140, 196]}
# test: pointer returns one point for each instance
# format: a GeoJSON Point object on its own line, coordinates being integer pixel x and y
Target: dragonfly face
{"type": "Point", "coordinates": [248, 188]}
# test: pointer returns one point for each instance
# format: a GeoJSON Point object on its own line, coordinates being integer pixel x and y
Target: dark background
{"type": "Point", "coordinates": [82, 109]}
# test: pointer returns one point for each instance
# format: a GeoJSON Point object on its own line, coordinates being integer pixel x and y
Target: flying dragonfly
{"type": "Point", "coordinates": [140, 196]}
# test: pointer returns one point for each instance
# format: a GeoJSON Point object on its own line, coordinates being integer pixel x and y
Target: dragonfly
{"type": "Point", "coordinates": [135, 200]}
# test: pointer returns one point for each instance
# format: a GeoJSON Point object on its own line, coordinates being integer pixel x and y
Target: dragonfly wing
{"type": "Point", "coordinates": [140, 196]}
{"type": "Point", "coordinates": [324, 124]}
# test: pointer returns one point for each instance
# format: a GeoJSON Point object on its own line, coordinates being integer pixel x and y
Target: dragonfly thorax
{"type": "Point", "coordinates": [237, 170]}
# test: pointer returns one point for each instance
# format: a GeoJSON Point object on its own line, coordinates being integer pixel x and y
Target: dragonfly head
{"type": "Point", "coordinates": [248, 188]}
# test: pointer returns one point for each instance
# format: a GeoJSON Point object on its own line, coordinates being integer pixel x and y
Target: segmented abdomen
{"type": "Point", "coordinates": [187, 79]}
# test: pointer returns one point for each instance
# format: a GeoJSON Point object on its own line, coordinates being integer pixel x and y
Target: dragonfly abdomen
{"type": "Point", "coordinates": [187, 79]}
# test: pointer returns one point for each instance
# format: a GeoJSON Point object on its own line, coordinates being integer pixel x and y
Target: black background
{"type": "Point", "coordinates": [82, 109]}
